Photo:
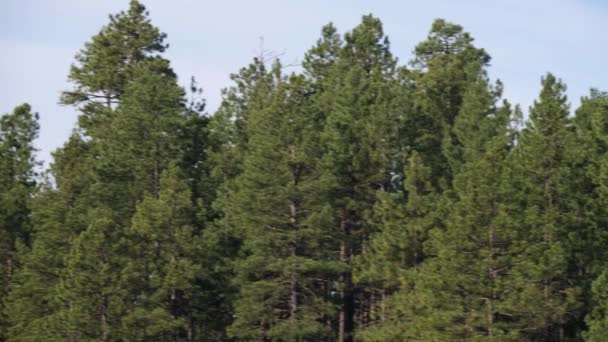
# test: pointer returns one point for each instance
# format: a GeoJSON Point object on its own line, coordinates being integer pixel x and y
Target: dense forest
{"type": "Point", "coordinates": [357, 198]}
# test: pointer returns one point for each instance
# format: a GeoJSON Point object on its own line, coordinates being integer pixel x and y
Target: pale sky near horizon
{"type": "Point", "coordinates": [211, 39]}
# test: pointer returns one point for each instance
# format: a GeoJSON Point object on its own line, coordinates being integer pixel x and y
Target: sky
{"type": "Point", "coordinates": [211, 39]}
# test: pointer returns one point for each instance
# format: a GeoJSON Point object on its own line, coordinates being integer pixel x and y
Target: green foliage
{"type": "Point", "coordinates": [17, 185]}
{"type": "Point", "coordinates": [282, 275]}
{"type": "Point", "coordinates": [541, 203]}
{"type": "Point", "coordinates": [588, 248]}
{"type": "Point", "coordinates": [87, 294]}
{"type": "Point", "coordinates": [106, 65]}
{"type": "Point", "coordinates": [319, 60]}
{"type": "Point", "coordinates": [353, 199]}
{"type": "Point", "coordinates": [403, 219]}
{"type": "Point", "coordinates": [143, 139]}
{"type": "Point", "coordinates": [355, 143]}
{"type": "Point", "coordinates": [596, 320]}
{"type": "Point", "coordinates": [134, 124]}
{"type": "Point", "coordinates": [448, 114]}
{"type": "Point", "coordinates": [162, 268]}
{"type": "Point", "coordinates": [446, 64]}
{"type": "Point", "coordinates": [57, 216]}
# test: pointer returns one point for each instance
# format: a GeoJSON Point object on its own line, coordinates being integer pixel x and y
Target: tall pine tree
{"type": "Point", "coordinates": [284, 270]}
{"type": "Point", "coordinates": [355, 142]}
{"type": "Point", "coordinates": [541, 207]}
{"type": "Point", "coordinates": [17, 186]}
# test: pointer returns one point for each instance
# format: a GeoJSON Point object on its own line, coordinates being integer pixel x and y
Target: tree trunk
{"type": "Point", "coordinates": [345, 323]}
{"type": "Point", "coordinates": [492, 270]}
{"type": "Point", "coordinates": [105, 329]}
{"type": "Point", "coordinates": [189, 332]}
{"type": "Point", "coordinates": [293, 281]}
{"type": "Point", "coordinates": [342, 315]}
{"type": "Point", "coordinates": [371, 316]}
{"type": "Point", "coordinates": [383, 306]}
{"type": "Point", "coordinates": [293, 297]}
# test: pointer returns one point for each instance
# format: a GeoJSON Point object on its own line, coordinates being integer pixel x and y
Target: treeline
{"type": "Point", "coordinates": [355, 199]}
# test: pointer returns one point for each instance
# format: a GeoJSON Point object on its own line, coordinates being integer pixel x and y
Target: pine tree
{"type": "Point", "coordinates": [17, 185]}
{"type": "Point", "coordinates": [283, 272]}
{"type": "Point", "coordinates": [228, 138]}
{"type": "Point", "coordinates": [355, 144]}
{"type": "Point", "coordinates": [320, 59]}
{"type": "Point", "coordinates": [597, 318]}
{"type": "Point", "coordinates": [163, 266]}
{"type": "Point", "coordinates": [194, 139]}
{"type": "Point", "coordinates": [133, 124]}
{"type": "Point", "coordinates": [143, 139]}
{"type": "Point", "coordinates": [228, 128]}
{"type": "Point", "coordinates": [445, 64]}
{"type": "Point", "coordinates": [541, 205]}
{"type": "Point", "coordinates": [447, 69]}
{"type": "Point", "coordinates": [88, 292]}
{"type": "Point", "coordinates": [457, 293]}
{"type": "Point", "coordinates": [403, 220]}
{"type": "Point", "coordinates": [106, 65]}
{"type": "Point", "coordinates": [143, 142]}
{"type": "Point", "coordinates": [592, 168]}
{"type": "Point", "coordinates": [58, 215]}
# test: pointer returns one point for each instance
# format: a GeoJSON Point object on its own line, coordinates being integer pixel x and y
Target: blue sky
{"type": "Point", "coordinates": [211, 39]}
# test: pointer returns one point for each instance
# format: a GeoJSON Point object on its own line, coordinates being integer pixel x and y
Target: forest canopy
{"type": "Point", "coordinates": [354, 197]}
